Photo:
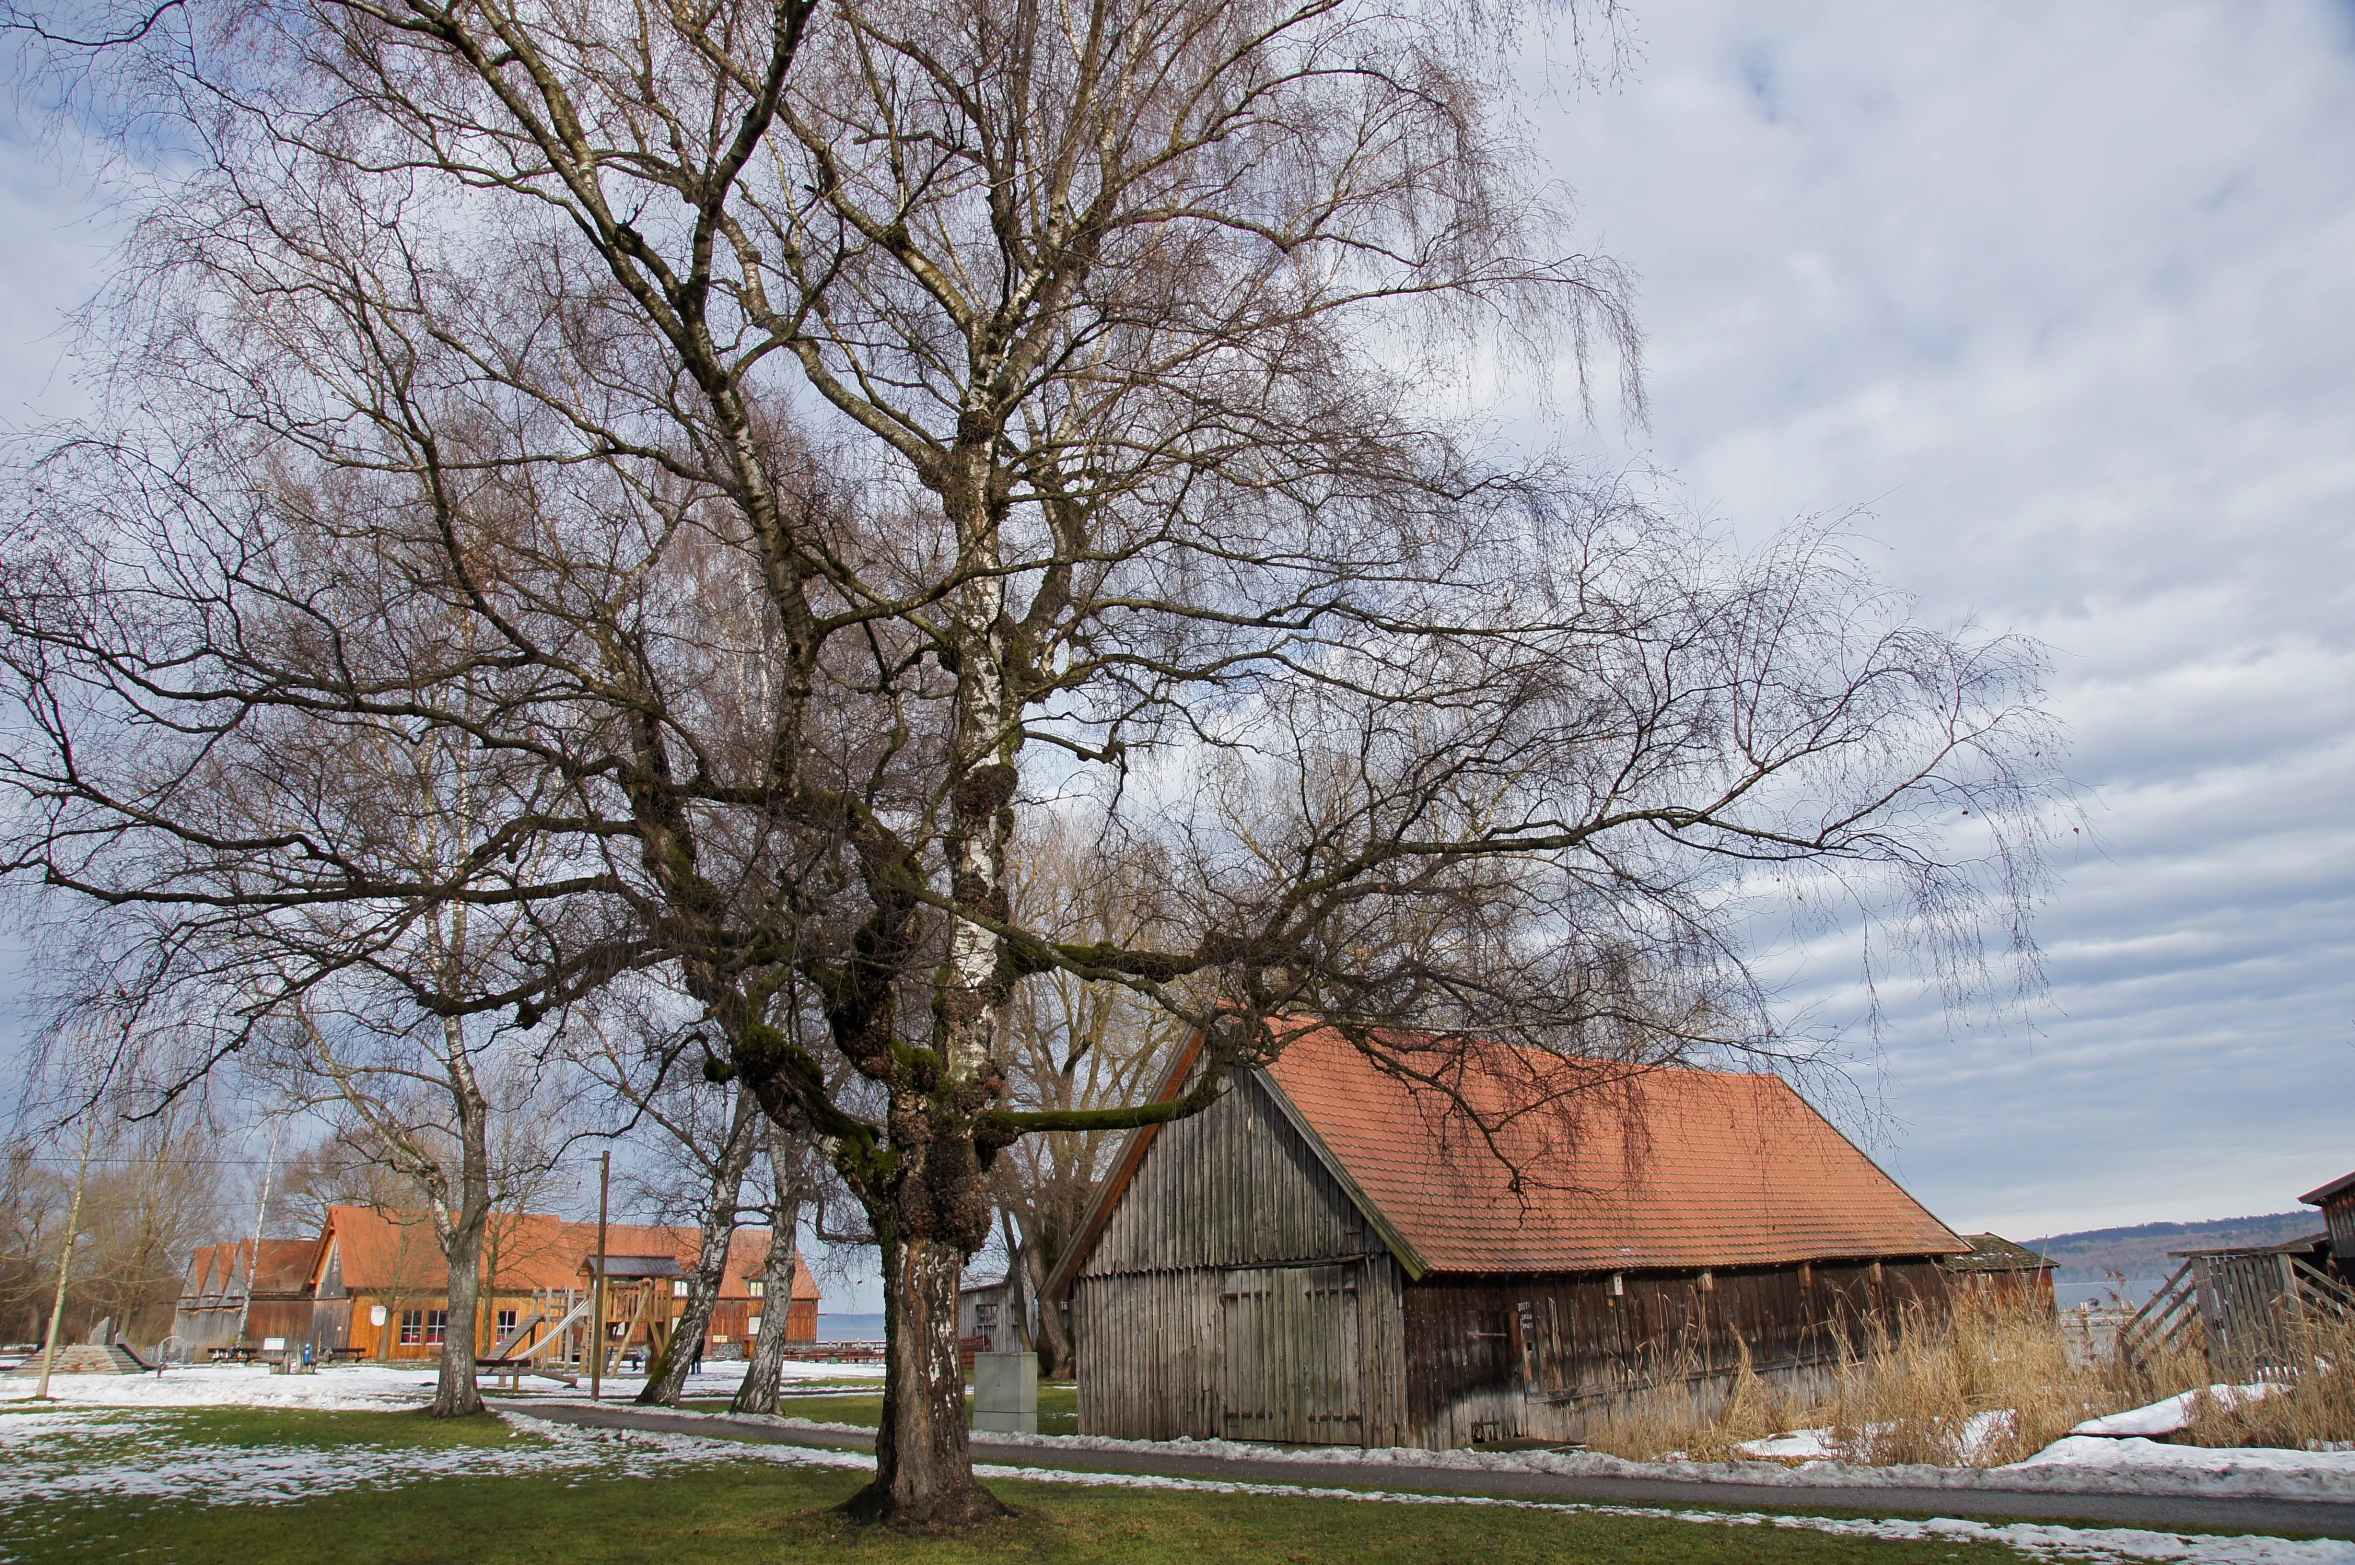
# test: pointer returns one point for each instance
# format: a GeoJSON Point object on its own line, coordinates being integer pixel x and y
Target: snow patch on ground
{"type": "Point", "coordinates": [89, 1452]}
{"type": "Point", "coordinates": [2169, 1414]}
{"type": "Point", "coordinates": [345, 1387]}
{"type": "Point", "coordinates": [1822, 1445]}
{"type": "Point", "coordinates": [342, 1386]}
{"type": "Point", "coordinates": [2095, 1546]}
{"type": "Point", "coordinates": [2072, 1466]}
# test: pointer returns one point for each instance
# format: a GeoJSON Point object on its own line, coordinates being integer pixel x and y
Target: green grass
{"type": "Point", "coordinates": [302, 1427]}
{"type": "Point", "coordinates": [754, 1514]}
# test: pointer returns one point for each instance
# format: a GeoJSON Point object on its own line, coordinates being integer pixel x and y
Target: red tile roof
{"type": "Point", "coordinates": [1659, 1168]}
{"type": "Point", "coordinates": [388, 1251]}
{"type": "Point", "coordinates": [220, 1269]}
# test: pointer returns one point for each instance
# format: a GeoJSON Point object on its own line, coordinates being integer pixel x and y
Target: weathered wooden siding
{"type": "Point", "coordinates": [1238, 1292]}
{"type": "Point", "coordinates": [1233, 1186]}
{"type": "Point", "coordinates": [1311, 1354]}
{"type": "Point", "coordinates": [1492, 1358]}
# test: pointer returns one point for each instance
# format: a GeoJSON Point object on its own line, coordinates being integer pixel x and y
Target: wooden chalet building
{"type": "Point", "coordinates": [380, 1288]}
{"type": "Point", "coordinates": [1330, 1255]}
{"type": "Point", "coordinates": [255, 1289]}
{"type": "Point", "coordinates": [2003, 1272]}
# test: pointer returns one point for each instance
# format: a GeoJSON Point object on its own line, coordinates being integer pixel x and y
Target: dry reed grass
{"type": "Point", "coordinates": [2311, 1405]}
{"type": "Point", "coordinates": [1986, 1384]}
{"type": "Point", "coordinates": [1680, 1422]}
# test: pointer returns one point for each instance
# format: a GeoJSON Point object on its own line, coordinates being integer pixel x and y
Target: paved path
{"type": "Point", "coordinates": [2160, 1512]}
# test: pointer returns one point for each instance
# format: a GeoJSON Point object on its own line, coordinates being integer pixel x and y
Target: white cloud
{"type": "Point", "coordinates": [2060, 295]}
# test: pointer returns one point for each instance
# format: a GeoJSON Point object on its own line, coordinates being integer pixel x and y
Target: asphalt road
{"type": "Point", "coordinates": [2158, 1512]}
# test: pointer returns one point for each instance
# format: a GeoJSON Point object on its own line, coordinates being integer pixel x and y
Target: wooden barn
{"type": "Point", "coordinates": [381, 1288]}
{"type": "Point", "coordinates": [2003, 1272]}
{"type": "Point", "coordinates": [257, 1290]}
{"type": "Point", "coordinates": [2337, 1200]}
{"type": "Point", "coordinates": [1327, 1255]}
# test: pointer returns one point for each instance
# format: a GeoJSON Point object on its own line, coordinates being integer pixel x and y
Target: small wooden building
{"type": "Point", "coordinates": [255, 1289]}
{"type": "Point", "coordinates": [381, 1287]}
{"type": "Point", "coordinates": [2337, 1200]}
{"type": "Point", "coordinates": [1330, 1253]}
{"type": "Point", "coordinates": [2003, 1272]}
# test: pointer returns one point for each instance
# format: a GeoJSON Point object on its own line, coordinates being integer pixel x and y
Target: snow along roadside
{"type": "Point", "coordinates": [85, 1454]}
{"type": "Point", "coordinates": [2033, 1540]}
{"type": "Point", "coordinates": [2077, 1464]}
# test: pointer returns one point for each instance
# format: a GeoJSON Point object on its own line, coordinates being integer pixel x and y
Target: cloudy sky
{"type": "Point", "coordinates": [2062, 297]}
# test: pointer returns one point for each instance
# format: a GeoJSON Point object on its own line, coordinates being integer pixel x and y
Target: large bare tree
{"type": "Point", "coordinates": [829, 435]}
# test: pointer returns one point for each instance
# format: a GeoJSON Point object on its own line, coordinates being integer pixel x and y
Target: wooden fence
{"type": "Point", "coordinates": [2241, 1309]}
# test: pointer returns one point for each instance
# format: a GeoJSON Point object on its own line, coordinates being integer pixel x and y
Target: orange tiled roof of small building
{"type": "Point", "coordinates": [1659, 1168]}
{"type": "Point", "coordinates": [220, 1269]}
{"type": "Point", "coordinates": [382, 1251]}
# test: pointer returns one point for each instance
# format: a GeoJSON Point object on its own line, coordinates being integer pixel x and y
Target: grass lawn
{"type": "Point", "coordinates": [1058, 1408]}
{"type": "Point", "coordinates": [752, 1511]}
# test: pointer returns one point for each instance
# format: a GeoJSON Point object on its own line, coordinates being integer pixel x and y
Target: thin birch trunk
{"type": "Point", "coordinates": [758, 1393]}
{"type": "Point", "coordinates": [668, 1376]}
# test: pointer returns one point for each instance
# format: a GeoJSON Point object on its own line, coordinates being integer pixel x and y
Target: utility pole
{"type": "Point", "coordinates": [65, 1264]}
{"type": "Point", "coordinates": [597, 1364]}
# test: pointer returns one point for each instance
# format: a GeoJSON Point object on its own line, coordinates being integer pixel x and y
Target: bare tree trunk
{"type": "Point", "coordinates": [923, 1462]}
{"type": "Point", "coordinates": [669, 1372]}
{"type": "Point", "coordinates": [1052, 1340]}
{"type": "Point", "coordinates": [758, 1393]}
{"type": "Point", "coordinates": [457, 1394]}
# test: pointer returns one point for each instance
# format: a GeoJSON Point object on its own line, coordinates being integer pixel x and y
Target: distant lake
{"type": "Point", "coordinates": [849, 1328]}
{"type": "Point", "coordinates": [2134, 1292]}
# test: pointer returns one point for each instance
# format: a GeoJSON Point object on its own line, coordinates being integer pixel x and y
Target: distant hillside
{"type": "Point", "coordinates": [2141, 1252]}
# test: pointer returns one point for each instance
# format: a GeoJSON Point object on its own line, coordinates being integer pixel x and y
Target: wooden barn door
{"type": "Point", "coordinates": [1291, 1352]}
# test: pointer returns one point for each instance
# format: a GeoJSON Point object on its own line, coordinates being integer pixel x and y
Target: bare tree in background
{"type": "Point", "coordinates": [792, 1187]}
{"type": "Point", "coordinates": [706, 1140]}
{"type": "Point", "coordinates": [1075, 1045]}
{"type": "Point", "coordinates": [150, 1181]}
{"type": "Point", "coordinates": [372, 1011]}
{"type": "Point", "coordinates": [826, 438]}
{"type": "Point", "coordinates": [339, 1169]}
{"type": "Point", "coordinates": [156, 1193]}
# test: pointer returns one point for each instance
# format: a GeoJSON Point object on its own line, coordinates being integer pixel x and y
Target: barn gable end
{"type": "Point", "coordinates": [1235, 1185]}
{"type": "Point", "coordinates": [1228, 1236]}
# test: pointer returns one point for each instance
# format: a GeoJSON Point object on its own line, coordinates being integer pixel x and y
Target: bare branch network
{"type": "Point", "coordinates": [705, 491]}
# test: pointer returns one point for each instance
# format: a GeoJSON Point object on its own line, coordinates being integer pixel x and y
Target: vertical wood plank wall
{"type": "Point", "coordinates": [1232, 1188]}
{"type": "Point", "coordinates": [1492, 1358]}
{"type": "Point", "coordinates": [1234, 1191]}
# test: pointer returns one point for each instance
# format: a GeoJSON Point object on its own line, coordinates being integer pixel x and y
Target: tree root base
{"type": "Point", "coordinates": [969, 1505]}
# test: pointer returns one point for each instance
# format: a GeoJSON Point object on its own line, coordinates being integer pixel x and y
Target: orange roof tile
{"type": "Point", "coordinates": [218, 1269]}
{"type": "Point", "coordinates": [387, 1251]}
{"type": "Point", "coordinates": [1665, 1168]}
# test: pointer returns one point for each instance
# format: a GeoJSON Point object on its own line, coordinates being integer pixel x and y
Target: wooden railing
{"type": "Point", "coordinates": [2240, 1310]}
